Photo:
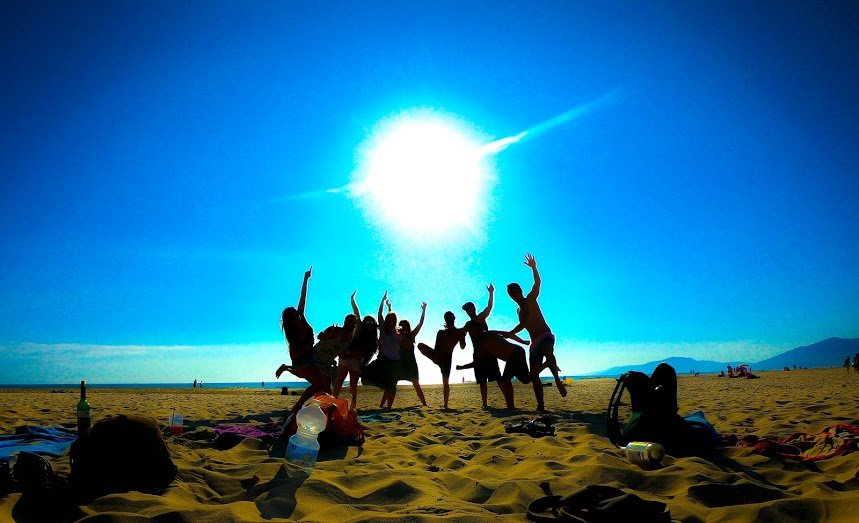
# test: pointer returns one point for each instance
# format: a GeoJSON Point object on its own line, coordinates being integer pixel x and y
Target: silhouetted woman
{"type": "Point", "coordinates": [408, 363]}
{"type": "Point", "coordinates": [299, 338]}
{"type": "Point", "coordinates": [384, 371]}
{"type": "Point", "coordinates": [363, 346]}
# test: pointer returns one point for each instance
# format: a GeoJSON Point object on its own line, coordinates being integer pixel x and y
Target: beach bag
{"type": "Point", "coordinates": [652, 412]}
{"type": "Point", "coordinates": [342, 428]}
{"type": "Point", "coordinates": [121, 453]}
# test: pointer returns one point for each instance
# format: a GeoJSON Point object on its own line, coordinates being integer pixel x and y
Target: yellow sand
{"type": "Point", "coordinates": [460, 465]}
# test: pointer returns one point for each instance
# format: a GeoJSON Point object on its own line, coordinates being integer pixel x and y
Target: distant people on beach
{"type": "Point", "coordinates": [542, 340]}
{"type": "Point", "coordinates": [492, 344]}
{"type": "Point", "coordinates": [856, 363]}
{"type": "Point", "coordinates": [358, 353]}
{"type": "Point", "coordinates": [299, 339]}
{"type": "Point", "coordinates": [195, 383]}
{"type": "Point", "coordinates": [488, 369]}
{"type": "Point", "coordinates": [446, 340]}
{"type": "Point", "coordinates": [847, 364]}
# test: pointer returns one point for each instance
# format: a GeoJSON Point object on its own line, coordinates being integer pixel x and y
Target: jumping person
{"type": "Point", "coordinates": [384, 371]}
{"type": "Point", "coordinates": [442, 355]}
{"type": "Point", "coordinates": [299, 338]}
{"type": "Point", "coordinates": [487, 370]}
{"type": "Point", "coordinates": [542, 340]}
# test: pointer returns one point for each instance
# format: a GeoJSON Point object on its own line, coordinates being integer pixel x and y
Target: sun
{"type": "Point", "coordinates": [423, 173]}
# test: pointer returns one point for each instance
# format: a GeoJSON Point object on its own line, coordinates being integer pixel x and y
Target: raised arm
{"type": "Point", "coordinates": [531, 262]}
{"type": "Point", "coordinates": [485, 313]}
{"type": "Point", "coordinates": [303, 299]}
{"type": "Point", "coordinates": [381, 320]}
{"type": "Point", "coordinates": [355, 310]}
{"type": "Point", "coordinates": [420, 323]}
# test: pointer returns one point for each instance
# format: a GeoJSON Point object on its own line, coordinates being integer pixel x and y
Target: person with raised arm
{"type": "Point", "coordinates": [542, 340]}
{"type": "Point", "coordinates": [408, 363]}
{"type": "Point", "coordinates": [299, 338]}
{"type": "Point", "coordinates": [442, 354]}
{"type": "Point", "coordinates": [384, 371]}
{"type": "Point", "coordinates": [488, 369]}
{"type": "Point", "coordinates": [356, 356]}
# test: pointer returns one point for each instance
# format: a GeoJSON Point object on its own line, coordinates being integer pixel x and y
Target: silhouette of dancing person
{"type": "Point", "coordinates": [542, 340]}
{"type": "Point", "coordinates": [299, 338]}
{"type": "Point", "coordinates": [442, 354]}
{"type": "Point", "coordinates": [488, 369]}
{"type": "Point", "coordinates": [408, 363]}
{"type": "Point", "coordinates": [356, 356]}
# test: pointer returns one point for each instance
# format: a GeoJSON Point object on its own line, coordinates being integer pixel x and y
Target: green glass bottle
{"type": "Point", "coordinates": [83, 413]}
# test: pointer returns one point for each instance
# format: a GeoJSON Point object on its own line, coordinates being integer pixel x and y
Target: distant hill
{"type": "Point", "coordinates": [826, 353]}
{"type": "Point", "coordinates": [681, 365]}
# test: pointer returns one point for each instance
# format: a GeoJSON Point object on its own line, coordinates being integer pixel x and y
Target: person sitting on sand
{"type": "Point", "coordinates": [542, 340]}
{"type": "Point", "coordinates": [487, 370]}
{"type": "Point", "coordinates": [442, 355]}
{"type": "Point", "coordinates": [363, 346]}
{"type": "Point", "coordinates": [299, 338]}
{"type": "Point", "coordinates": [492, 344]}
{"type": "Point", "coordinates": [408, 363]}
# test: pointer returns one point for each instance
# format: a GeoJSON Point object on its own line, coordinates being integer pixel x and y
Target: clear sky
{"type": "Point", "coordinates": [164, 168]}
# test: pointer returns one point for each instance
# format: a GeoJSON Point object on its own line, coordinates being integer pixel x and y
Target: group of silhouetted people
{"type": "Point", "coordinates": [340, 351]}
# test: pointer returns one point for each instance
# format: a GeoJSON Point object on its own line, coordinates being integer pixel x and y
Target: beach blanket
{"type": "Point", "coordinates": [229, 434]}
{"type": "Point", "coordinates": [45, 441]}
{"type": "Point", "coordinates": [831, 441]}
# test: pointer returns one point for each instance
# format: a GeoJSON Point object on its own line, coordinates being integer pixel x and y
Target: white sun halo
{"type": "Point", "coordinates": [423, 173]}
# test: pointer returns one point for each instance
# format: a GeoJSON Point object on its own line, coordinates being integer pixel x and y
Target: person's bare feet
{"type": "Point", "coordinates": [279, 371]}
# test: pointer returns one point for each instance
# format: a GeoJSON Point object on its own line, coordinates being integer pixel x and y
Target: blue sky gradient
{"type": "Point", "coordinates": [153, 153]}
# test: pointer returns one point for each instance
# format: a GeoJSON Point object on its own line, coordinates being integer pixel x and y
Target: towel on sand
{"type": "Point", "coordinates": [46, 441]}
{"type": "Point", "coordinates": [834, 440]}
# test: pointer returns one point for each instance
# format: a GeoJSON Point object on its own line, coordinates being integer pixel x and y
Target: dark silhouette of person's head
{"type": "Point", "coordinates": [405, 327]}
{"type": "Point", "coordinates": [289, 319]}
{"type": "Point", "coordinates": [449, 319]}
{"type": "Point", "coordinates": [391, 322]}
{"type": "Point", "coordinates": [349, 322]}
{"type": "Point", "coordinates": [515, 292]}
{"type": "Point", "coordinates": [470, 309]}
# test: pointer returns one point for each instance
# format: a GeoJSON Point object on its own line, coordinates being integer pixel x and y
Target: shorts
{"type": "Point", "coordinates": [487, 371]}
{"type": "Point", "coordinates": [545, 345]}
{"type": "Point", "coordinates": [350, 363]}
{"type": "Point", "coordinates": [516, 367]}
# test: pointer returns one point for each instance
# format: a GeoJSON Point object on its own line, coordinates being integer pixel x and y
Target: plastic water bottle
{"type": "Point", "coordinates": [644, 453]}
{"type": "Point", "coordinates": [303, 446]}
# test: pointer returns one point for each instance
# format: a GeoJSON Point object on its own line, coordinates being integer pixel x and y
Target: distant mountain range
{"type": "Point", "coordinates": [826, 353]}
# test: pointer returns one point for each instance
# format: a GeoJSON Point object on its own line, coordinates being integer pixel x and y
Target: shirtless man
{"type": "Point", "coordinates": [488, 368]}
{"type": "Point", "coordinates": [492, 344]}
{"type": "Point", "coordinates": [542, 340]}
{"type": "Point", "coordinates": [442, 355]}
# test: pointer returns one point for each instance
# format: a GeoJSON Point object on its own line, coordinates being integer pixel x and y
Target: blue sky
{"type": "Point", "coordinates": [164, 166]}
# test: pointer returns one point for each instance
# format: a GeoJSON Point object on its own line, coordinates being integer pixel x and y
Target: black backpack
{"type": "Point", "coordinates": [653, 410]}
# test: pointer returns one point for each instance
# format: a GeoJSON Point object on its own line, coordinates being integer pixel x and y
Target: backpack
{"type": "Point", "coordinates": [653, 410]}
{"type": "Point", "coordinates": [342, 427]}
{"type": "Point", "coordinates": [120, 453]}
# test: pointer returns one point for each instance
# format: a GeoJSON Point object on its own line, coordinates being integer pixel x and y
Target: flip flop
{"type": "Point", "coordinates": [598, 504]}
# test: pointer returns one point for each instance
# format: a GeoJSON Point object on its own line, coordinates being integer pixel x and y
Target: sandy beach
{"type": "Point", "coordinates": [430, 464]}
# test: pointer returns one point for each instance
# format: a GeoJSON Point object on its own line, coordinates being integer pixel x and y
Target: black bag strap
{"type": "Point", "coordinates": [615, 432]}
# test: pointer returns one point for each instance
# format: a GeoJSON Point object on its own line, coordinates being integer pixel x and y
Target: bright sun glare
{"type": "Point", "coordinates": [423, 173]}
